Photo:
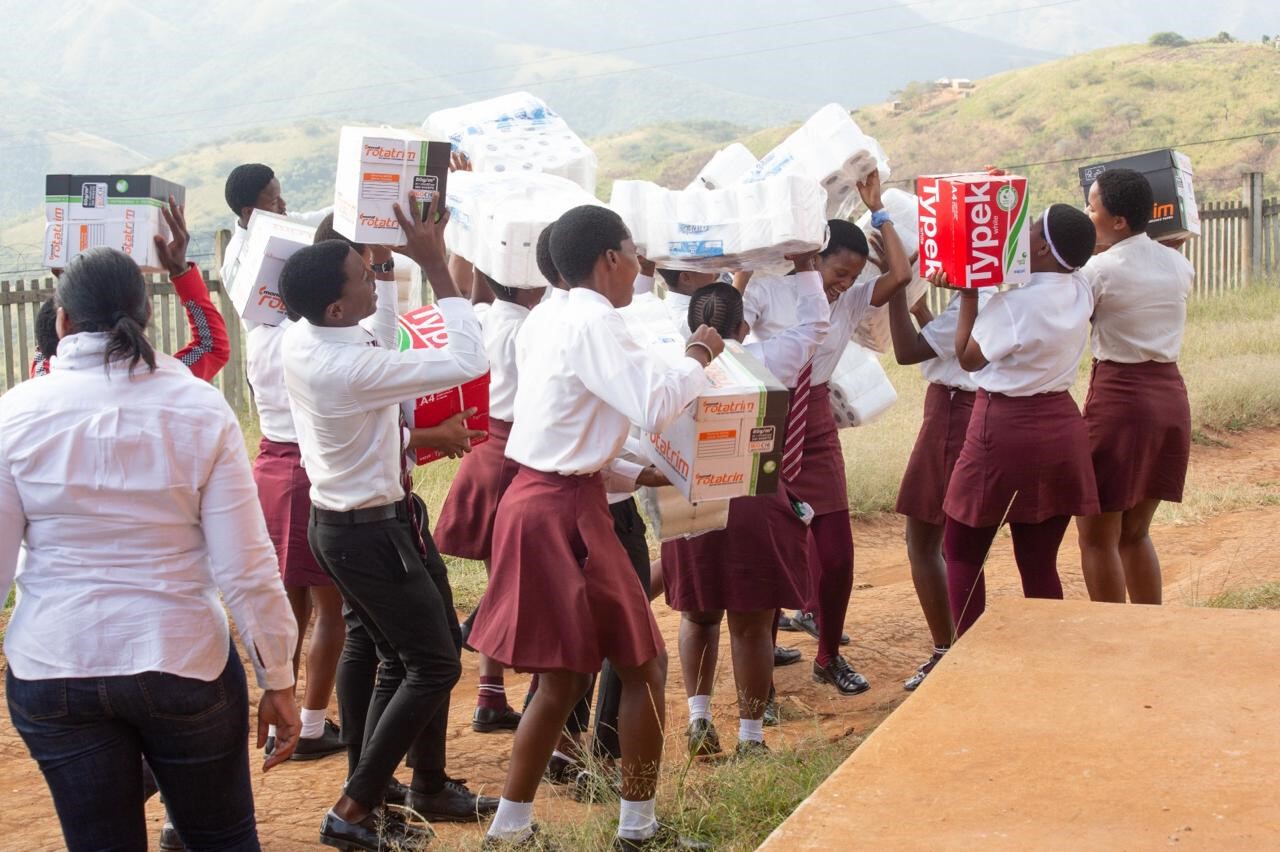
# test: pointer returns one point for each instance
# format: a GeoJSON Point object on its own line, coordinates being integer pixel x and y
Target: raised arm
{"type": "Point", "coordinates": [210, 348]}
{"type": "Point", "coordinates": [909, 345]}
{"type": "Point", "coordinates": [897, 272]}
{"type": "Point", "coordinates": [382, 323]}
{"type": "Point", "coordinates": [968, 352]}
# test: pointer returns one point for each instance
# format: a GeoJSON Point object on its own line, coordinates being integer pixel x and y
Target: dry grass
{"type": "Point", "coordinates": [1266, 596]}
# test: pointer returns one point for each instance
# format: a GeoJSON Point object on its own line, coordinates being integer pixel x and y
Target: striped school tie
{"type": "Point", "coordinates": [797, 420]}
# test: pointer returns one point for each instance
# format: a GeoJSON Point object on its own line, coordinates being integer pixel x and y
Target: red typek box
{"type": "Point", "coordinates": [424, 329]}
{"type": "Point", "coordinates": [975, 228]}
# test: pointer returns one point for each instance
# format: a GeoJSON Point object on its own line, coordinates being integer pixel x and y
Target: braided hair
{"type": "Point", "coordinates": [718, 305]}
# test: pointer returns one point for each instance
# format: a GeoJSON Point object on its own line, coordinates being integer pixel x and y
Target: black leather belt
{"type": "Point", "coordinates": [361, 516]}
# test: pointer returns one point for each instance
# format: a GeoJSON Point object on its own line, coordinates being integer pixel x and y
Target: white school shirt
{"type": "Point", "coordinates": [940, 334]}
{"type": "Point", "coordinates": [1140, 291]}
{"type": "Point", "coordinates": [140, 516]}
{"type": "Point", "coordinates": [1033, 336]}
{"type": "Point", "coordinates": [769, 307]}
{"type": "Point", "coordinates": [499, 326]}
{"type": "Point", "coordinates": [583, 381]}
{"type": "Point", "coordinates": [677, 305]}
{"type": "Point", "coordinates": [346, 390]}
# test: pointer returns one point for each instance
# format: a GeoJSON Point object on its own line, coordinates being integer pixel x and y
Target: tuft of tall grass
{"type": "Point", "coordinates": [1266, 596]}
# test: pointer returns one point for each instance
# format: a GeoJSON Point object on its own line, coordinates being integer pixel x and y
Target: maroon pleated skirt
{"type": "Point", "coordinates": [1027, 455]}
{"type": "Point", "coordinates": [1139, 423]}
{"type": "Point", "coordinates": [285, 494]}
{"type": "Point", "coordinates": [758, 561]}
{"type": "Point", "coordinates": [562, 592]}
{"type": "Point", "coordinates": [938, 445]}
{"type": "Point", "coordinates": [821, 482]}
{"type": "Point", "coordinates": [464, 527]}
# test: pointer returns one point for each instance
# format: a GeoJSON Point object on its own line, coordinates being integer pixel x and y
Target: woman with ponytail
{"type": "Point", "coordinates": [1025, 458]}
{"type": "Point", "coordinates": [126, 479]}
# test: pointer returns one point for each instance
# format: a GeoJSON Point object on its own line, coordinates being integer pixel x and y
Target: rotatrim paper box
{"type": "Point", "coordinates": [671, 516]}
{"type": "Point", "coordinates": [379, 167]}
{"type": "Point", "coordinates": [728, 442]}
{"type": "Point", "coordinates": [516, 133]}
{"type": "Point", "coordinates": [831, 149]}
{"type": "Point", "coordinates": [1174, 214]}
{"type": "Point", "coordinates": [974, 227]}
{"type": "Point", "coordinates": [495, 220]}
{"type": "Point", "coordinates": [118, 211]}
{"type": "Point", "coordinates": [424, 328]}
{"type": "Point", "coordinates": [743, 226]}
{"type": "Point", "coordinates": [255, 290]}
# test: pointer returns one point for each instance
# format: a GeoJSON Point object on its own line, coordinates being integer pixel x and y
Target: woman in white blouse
{"type": "Point", "coordinates": [127, 479]}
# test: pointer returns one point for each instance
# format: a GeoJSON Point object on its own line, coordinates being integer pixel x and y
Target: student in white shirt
{"type": "Point", "coordinates": [757, 564]}
{"type": "Point", "coordinates": [562, 595]}
{"type": "Point", "coordinates": [948, 405]}
{"type": "Point", "coordinates": [770, 309]}
{"type": "Point", "coordinates": [249, 187]}
{"type": "Point", "coordinates": [681, 285]}
{"type": "Point", "coordinates": [1137, 409]}
{"type": "Point", "coordinates": [1026, 453]}
{"type": "Point", "coordinates": [346, 384]}
{"type": "Point", "coordinates": [126, 478]}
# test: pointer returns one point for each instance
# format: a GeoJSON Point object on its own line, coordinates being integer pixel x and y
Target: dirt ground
{"type": "Point", "coordinates": [1230, 550]}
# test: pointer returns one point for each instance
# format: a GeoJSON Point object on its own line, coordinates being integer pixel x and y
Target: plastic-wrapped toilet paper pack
{"type": "Point", "coordinates": [671, 516]}
{"type": "Point", "coordinates": [516, 133]}
{"type": "Point", "coordinates": [743, 226]}
{"type": "Point", "coordinates": [495, 219]}
{"type": "Point", "coordinates": [872, 331]}
{"type": "Point", "coordinates": [860, 389]}
{"type": "Point", "coordinates": [727, 166]}
{"type": "Point", "coordinates": [904, 209]}
{"type": "Point", "coordinates": [831, 149]}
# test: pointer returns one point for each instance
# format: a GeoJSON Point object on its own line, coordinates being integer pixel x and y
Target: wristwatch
{"type": "Point", "coordinates": [879, 217]}
{"type": "Point", "coordinates": [389, 266]}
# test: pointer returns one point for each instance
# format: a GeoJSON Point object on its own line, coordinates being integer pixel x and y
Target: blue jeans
{"type": "Point", "coordinates": [89, 736]}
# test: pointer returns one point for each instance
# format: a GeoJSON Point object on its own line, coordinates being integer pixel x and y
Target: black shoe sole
{"type": "Point", "coordinates": [344, 845]}
{"type": "Point", "coordinates": [316, 755]}
{"type": "Point", "coordinates": [817, 678]}
{"type": "Point", "coordinates": [492, 727]}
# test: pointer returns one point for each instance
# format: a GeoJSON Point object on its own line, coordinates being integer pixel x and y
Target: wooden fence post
{"type": "Point", "coordinates": [1253, 227]}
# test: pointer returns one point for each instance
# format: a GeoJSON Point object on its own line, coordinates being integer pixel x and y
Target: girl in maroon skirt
{"type": "Point", "coordinates": [1137, 410]}
{"type": "Point", "coordinates": [820, 481]}
{"type": "Point", "coordinates": [948, 404]}
{"type": "Point", "coordinates": [562, 593]}
{"type": "Point", "coordinates": [756, 564]}
{"type": "Point", "coordinates": [1026, 451]}
{"type": "Point", "coordinates": [465, 526]}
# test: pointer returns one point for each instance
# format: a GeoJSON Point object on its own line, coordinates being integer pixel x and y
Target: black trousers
{"type": "Point", "coordinates": [400, 603]}
{"type": "Point", "coordinates": [629, 526]}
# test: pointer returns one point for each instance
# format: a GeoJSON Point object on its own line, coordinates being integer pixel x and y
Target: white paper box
{"type": "Point", "coordinates": [514, 134]}
{"type": "Point", "coordinates": [117, 211]}
{"type": "Point", "coordinates": [255, 290]}
{"type": "Point", "coordinates": [743, 226]}
{"type": "Point", "coordinates": [831, 149]}
{"type": "Point", "coordinates": [379, 167]}
{"type": "Point", "coordinates": [671, 516]}
{"type": "Point", "coordinates": [727, 166]}
{"type": "Point", "coordinates": [860, 389]}
{"type": "Point", "coordinates": [495, 219]}
{"type": "Point", "coordinates": [728, 442]}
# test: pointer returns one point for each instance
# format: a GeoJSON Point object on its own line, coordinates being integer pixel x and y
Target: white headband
{"type": "Point", "coordinates": [1049, 239]}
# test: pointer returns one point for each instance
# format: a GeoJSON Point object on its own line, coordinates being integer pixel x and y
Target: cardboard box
{"type": "Point", "coordinates": [1174, 214]}
{"type": "Point", "coordinates": [255, 290]}
{"type": "Point", "coordinates": [379, 167]}
{"type": "Point", "coordinates": [424, 329]}
{"type": "Point", "coordinates": [975, 227]}
{"type": "Point", "coordinates": [118, 211]}
{"type": "Point", "coordinates": [728, 442]}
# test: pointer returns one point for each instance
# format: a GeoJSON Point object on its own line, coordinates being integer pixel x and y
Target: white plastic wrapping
{"type": "Point", "coordinates": [513, 134]}
{"type": "Point", "coordinates": [743, 226]}
{"type": "Point", "coordinates": [727, 166]}
{"type": "Point", "coordinates": [671, 516]}
{"type": "Point", "coordinates": [860, 389]}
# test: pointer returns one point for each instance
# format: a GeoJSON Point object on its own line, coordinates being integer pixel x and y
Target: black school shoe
{"type": "Point", "coordinates": [486, 720]}
{"type": "Point", "coordinates": [313, 748]}
{"type": "Point", "coordinates": [921, 673]}
{"type": "Point", "coordinates": [169, 839]}
{"type": "Point", "coordinates": [452, 803]}
{"type": "Point", "coordinates": [807, 622]}
{"type": "Point", "coordinates": [785, 623]}
{"type": "Point", "coordinates": [841, 675]}
{"type": "Point", "coordinates": [533, 840]}
{"type": "Point", "coordinates": [664, 838]}
{"type": "Point", "coordinates": [703, 739]}
{"type": "Point", "coordinates": [785, 656]}
{"type": "Point", "coordinates": [561, 770]}
{"type": "Point", "coordinates": [378, 832]}
{"type": "Point", "coordinates": [596, 787]}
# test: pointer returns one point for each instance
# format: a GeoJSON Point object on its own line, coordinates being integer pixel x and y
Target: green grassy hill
{"type": "Point", "coordinates": [1118, 99]}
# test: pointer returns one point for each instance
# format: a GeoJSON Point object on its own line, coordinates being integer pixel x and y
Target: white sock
{"type": "Point", "coordinates": [940, 651]}
{"type": "Point", "coordinates": [312, 724]}
{"type": "Point", "coordinates": [636, 820]}
{"type": "Point", "coordinates": [751, 730]}
{"type": "Point", "coordinates": [700, 708]}
{"type": "Point", "coordinates": [513, 821]}
{"type": "Point", "coordinates": [271, 730]}
{"type": "Point", "coordinates": [558, 753]}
